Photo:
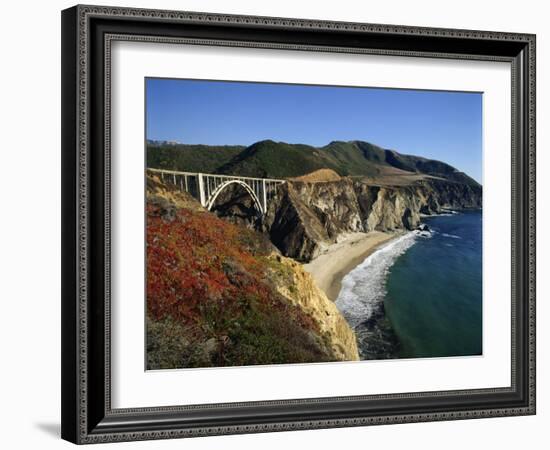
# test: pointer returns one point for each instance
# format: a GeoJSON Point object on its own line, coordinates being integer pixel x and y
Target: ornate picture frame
{"type": "Point", "coordinates": [87, 35]}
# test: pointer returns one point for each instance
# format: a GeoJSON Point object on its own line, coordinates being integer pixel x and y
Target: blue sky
{"type": "Point", "coordinates": [436, 124]}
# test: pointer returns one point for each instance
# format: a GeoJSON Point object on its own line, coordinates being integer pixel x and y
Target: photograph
{"type": "Point", "coordinates": [295, 223]}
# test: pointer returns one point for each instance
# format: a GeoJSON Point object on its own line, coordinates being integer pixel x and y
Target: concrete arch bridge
{"type": "Point", "coordinates": [207, 187]}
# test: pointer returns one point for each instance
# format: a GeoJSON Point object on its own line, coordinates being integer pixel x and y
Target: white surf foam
{"type": "Point", "coordinates": [365, 286]}
{"type": "Point", "coordinates": [424, 234]}
{"type": "Point", "coordinates": [448, 212]}
{"type": "Point", "coordinates": [454, 236]}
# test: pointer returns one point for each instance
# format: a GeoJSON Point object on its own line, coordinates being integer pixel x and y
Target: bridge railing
{"type": "Point", "coordinates": [206, 187]}
{"type": "Point", "coordinates": [232, 177]}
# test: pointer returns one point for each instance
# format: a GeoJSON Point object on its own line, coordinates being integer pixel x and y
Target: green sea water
{"type": "Point", "coordinates": [420, 296]}
{"type": "Point", "coordinates": [434, 290]}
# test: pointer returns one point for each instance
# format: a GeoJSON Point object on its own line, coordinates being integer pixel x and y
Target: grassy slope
{"type": "Point", "coordinates": [274, 159]}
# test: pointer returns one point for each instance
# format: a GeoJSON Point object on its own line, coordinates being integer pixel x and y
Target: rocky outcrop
{"type": "Point", "coordinates": [305, 217]}
{"type": "Point", "coordinates": [386, 208]}
{"type": "Point", "coordinates": [300, 289]}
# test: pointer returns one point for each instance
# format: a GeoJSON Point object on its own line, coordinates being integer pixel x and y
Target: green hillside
{"type": "Point", "coordinates": [275, 160]}
{"type": "Point", "coordinates": [190, 158]}
{"type": "Point", "coordinates": [281, 160]}
{"type": "Point", "coordinates": [427, 166]}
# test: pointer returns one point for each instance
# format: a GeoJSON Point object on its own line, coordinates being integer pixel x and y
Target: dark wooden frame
{"type": "Point", "coordinates": [87, 32]}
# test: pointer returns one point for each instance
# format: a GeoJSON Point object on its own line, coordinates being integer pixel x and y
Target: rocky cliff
{"type": "Point", "coordinates": [305, 217]}
{"type": "Point", "coordinates": [298, 286]}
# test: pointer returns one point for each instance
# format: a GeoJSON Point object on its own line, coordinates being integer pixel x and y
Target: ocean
{"type": "Point", "coordinates": [420, 295]}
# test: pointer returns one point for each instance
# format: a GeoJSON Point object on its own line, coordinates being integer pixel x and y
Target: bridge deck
{"type": "Point", "coordinates": [232, 177]}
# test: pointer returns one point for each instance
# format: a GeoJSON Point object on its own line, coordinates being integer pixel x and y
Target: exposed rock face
{"type": "Point", "coordinates": [302, 291]}
{"type": "Point", "coordinates": [292, 225]}
{"type": "Point", "coordinates": [387, 208]}
{"type": "Point", "coordinates": [446, 194]}
{"type": "Point", "coordinates": [333, 203]}
{"type": "Point", "coordinates": [305, 217]}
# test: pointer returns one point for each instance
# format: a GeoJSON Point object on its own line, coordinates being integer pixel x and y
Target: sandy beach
{"type": "Point", "coordinates": [330, 267]}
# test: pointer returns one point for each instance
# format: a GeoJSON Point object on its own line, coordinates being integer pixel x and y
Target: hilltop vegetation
{"type": "Point", "coordinates": [281, 160]}
{"type": "Point", "coordinates": [190, 158]}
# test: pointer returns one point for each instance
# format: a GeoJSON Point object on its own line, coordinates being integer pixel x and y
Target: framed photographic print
{"type": "Point", "coordinates": [281, 224]}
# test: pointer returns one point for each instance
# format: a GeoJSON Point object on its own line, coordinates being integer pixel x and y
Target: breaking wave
{"type": "Point", "coordinates": [364, 288]}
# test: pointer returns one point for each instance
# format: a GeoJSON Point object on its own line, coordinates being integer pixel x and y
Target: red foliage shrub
{"type": "Point", "coordinates": [202, 272]}
{"type": "Point", "coordinates": [197, 257]}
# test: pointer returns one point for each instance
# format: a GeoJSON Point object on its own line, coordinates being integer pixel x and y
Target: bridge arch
{"type": "Point", "coordinates": [206, 187]}
{"type": "Point", "coordinates": [212, 199]}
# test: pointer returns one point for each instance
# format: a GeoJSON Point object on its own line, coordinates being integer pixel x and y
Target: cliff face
{"type": "Point", "coordinates": [304, 217]}
{"type": "Point", "coordinates": [300, 288]}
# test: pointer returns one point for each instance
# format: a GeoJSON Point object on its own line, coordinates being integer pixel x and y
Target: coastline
{"type": "Point", "coordinates": [329, 268]}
